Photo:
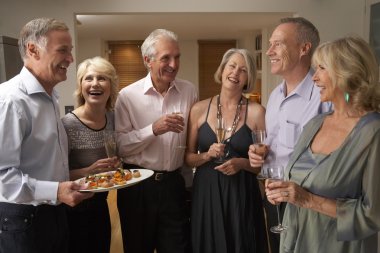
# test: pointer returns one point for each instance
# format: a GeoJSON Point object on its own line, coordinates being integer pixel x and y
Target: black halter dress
{"type": "Point", "coordinates": [227, 213]}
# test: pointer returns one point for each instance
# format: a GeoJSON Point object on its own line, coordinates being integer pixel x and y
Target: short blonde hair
{"type": "Point", "coordinates": [251, 67]}
{"type": "Point", "coordinates": [353, 68]}
{"type": "Point", "coordinates": [104, 67]}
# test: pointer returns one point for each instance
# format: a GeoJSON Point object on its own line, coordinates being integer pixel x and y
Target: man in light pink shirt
{"type": "Point", "coordinates": [150, 135]}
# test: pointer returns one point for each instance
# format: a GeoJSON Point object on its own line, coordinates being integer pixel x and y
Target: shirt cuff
{"type": "Point", "coordinates": [46, 192]}
{"type": "Point", "coordinates": [147, 132]}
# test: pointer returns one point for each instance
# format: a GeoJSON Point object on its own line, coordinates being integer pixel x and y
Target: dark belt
{"type": "Point", "coordinates": [158, 175]}
{"type": "Point", "coordinates": [161, 175]}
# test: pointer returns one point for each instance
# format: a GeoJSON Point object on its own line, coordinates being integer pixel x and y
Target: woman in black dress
{"type": "Point", "coordinates": [227, 213]}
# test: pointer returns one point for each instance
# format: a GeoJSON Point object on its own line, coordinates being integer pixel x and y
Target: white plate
{"type": "Point", "coordinates": [144, 175]}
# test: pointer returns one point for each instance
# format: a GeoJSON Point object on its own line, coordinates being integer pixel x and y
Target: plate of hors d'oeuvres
{"type": "Point", "coordinates": [112, 180]}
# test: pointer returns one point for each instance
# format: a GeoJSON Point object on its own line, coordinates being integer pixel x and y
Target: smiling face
{"type": "Point", "coordinates": [328, 90]}
{"type": "Point", "coordinates": [284, 50]}
{"type": "Point", "coordinates": [96, 87]}
{"type": "Point", "coordinates": [234, 75]}
{"type": "Point", "coordinates": [165, 64]}
{"type": "Point", "coordinates": [50, 63]}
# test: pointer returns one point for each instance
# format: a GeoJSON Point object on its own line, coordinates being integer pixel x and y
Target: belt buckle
{"type": "Point", "coordinates": [158, 176]}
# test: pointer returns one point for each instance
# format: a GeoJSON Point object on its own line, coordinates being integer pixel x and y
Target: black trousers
{"type": "Point", "coordinates": [153, 215]}
{"type": "Point", "coordinates": [90, 225]}
{"type": "Point", "coordinates": [33, 229]}
{"type": "Point", "coordinates": [272, 220]}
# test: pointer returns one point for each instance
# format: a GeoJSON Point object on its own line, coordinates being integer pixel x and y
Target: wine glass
{"type": "Point", "coordinates": [276, 172]}
{"type": "Point", "coordinates": [258, 138]}
{"type": "Point", "coordinates": [263, 174]}
{"type": "Point", "coordinates": [110, 143]}
{"type": "Point", "coordinates": [220, 130]}
{"type": "Point", "coordinates": [177, 110]}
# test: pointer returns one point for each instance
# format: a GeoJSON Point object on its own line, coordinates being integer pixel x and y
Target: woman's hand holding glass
{"type": "Point", "coordinates": [276, 193]}
{"type": "Point", "coordinates": [103, 165]}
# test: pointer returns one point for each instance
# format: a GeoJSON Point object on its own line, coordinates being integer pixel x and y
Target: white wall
{"type": "Point", "coordinates": [334, 18]}
{"type": "Point", "coordinates": [88, 48]}
{"type": "Point", "coordinates": [189, 61]}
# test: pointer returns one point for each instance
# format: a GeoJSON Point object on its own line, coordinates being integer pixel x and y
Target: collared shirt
{"type": "Point", "coordinates": [34, 151]}
{"type": "Point", "coordinates": [138, 106]}
{"type": "Point", "coordinates": [287, 115]}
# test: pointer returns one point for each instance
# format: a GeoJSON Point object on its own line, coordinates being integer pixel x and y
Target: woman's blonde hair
{"type": "Point", "coordinates": [251, 67]}
{"type": "Point", "coordinates": [352, 66]}
{"type": "Point", "coordinates": [105, 68]}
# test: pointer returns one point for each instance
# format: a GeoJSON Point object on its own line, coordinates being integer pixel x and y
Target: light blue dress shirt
{"type": "Point", "coordinates": [287, 115]}
{"type": "Point", "coordinates": [34, 150]}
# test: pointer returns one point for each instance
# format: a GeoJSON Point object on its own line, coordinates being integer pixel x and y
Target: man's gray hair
{"type": "Point", "coordinates": [148, 48]}
{"type": "Point", "coordinates": [36, 31]}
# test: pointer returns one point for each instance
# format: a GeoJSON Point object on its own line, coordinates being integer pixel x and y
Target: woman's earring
{"type": "Point", "coordinates": [346, 97]}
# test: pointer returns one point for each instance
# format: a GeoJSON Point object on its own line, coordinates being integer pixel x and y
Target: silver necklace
{"type": "Point", "coordinates": [231, 129]}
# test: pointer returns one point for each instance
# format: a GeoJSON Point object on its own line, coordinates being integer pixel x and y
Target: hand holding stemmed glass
{"type": "Point", "coordinates": [276, 173]}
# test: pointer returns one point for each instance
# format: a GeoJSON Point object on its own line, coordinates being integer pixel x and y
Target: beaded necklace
{"type": "Point", "coordinates": [231, 129]}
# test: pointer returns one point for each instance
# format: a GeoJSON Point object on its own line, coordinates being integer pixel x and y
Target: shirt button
{"type": "Point", "coordinates": [5, 219]}
{"type": "Point", "coordinates": [26, 220]}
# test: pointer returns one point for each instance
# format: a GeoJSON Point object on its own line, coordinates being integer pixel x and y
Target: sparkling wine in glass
{"type": "Point", "coordinates": [220, 131]}
{"type": "Point", "coordinates": [277, 173]}
{"type": "Point", "coordinates": [177, 110]}
{"type": "Point", "coordinates": [258, 138]}
{"type": "Point", "coordinates": [110, 143]}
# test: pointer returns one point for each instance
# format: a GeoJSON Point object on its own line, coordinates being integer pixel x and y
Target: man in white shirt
{"type": "Point", "coordinates": [34, 169]}
{"type": "Point", "coordinates": [153, 213]}
{"type": "Point", "coordinates": [293, 102]}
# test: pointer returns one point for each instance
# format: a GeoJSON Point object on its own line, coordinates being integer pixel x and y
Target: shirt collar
{"type": "Point", "coordinates": [31, 85]}
{"type": "Point", "coordinates": [303, 89]}
{"type": "Point", "coordinates": [148, 85]}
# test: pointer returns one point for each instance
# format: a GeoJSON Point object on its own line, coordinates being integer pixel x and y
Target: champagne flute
{"type": "Point", "coordinates": [258, 138]}
{"type": "Point", "coordinates": [276, 172]}
{"type": "Point", "coordinates": [110, 143]}
{"type": "Point", "coordinates": [177, 111]}
{"type": "Point", "coordinates": [220, 130]}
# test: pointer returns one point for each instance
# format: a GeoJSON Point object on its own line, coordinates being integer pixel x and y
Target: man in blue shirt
{"type": "Point", "coordinates": [293, 102]}
{"type": "Point", "coordinates": [34, 170]}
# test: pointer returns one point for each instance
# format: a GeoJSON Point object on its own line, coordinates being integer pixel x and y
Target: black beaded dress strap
{"type": "Point", "coordinates": [208, 109]}
{"type": "Point", "coordinates": [246, 111]}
